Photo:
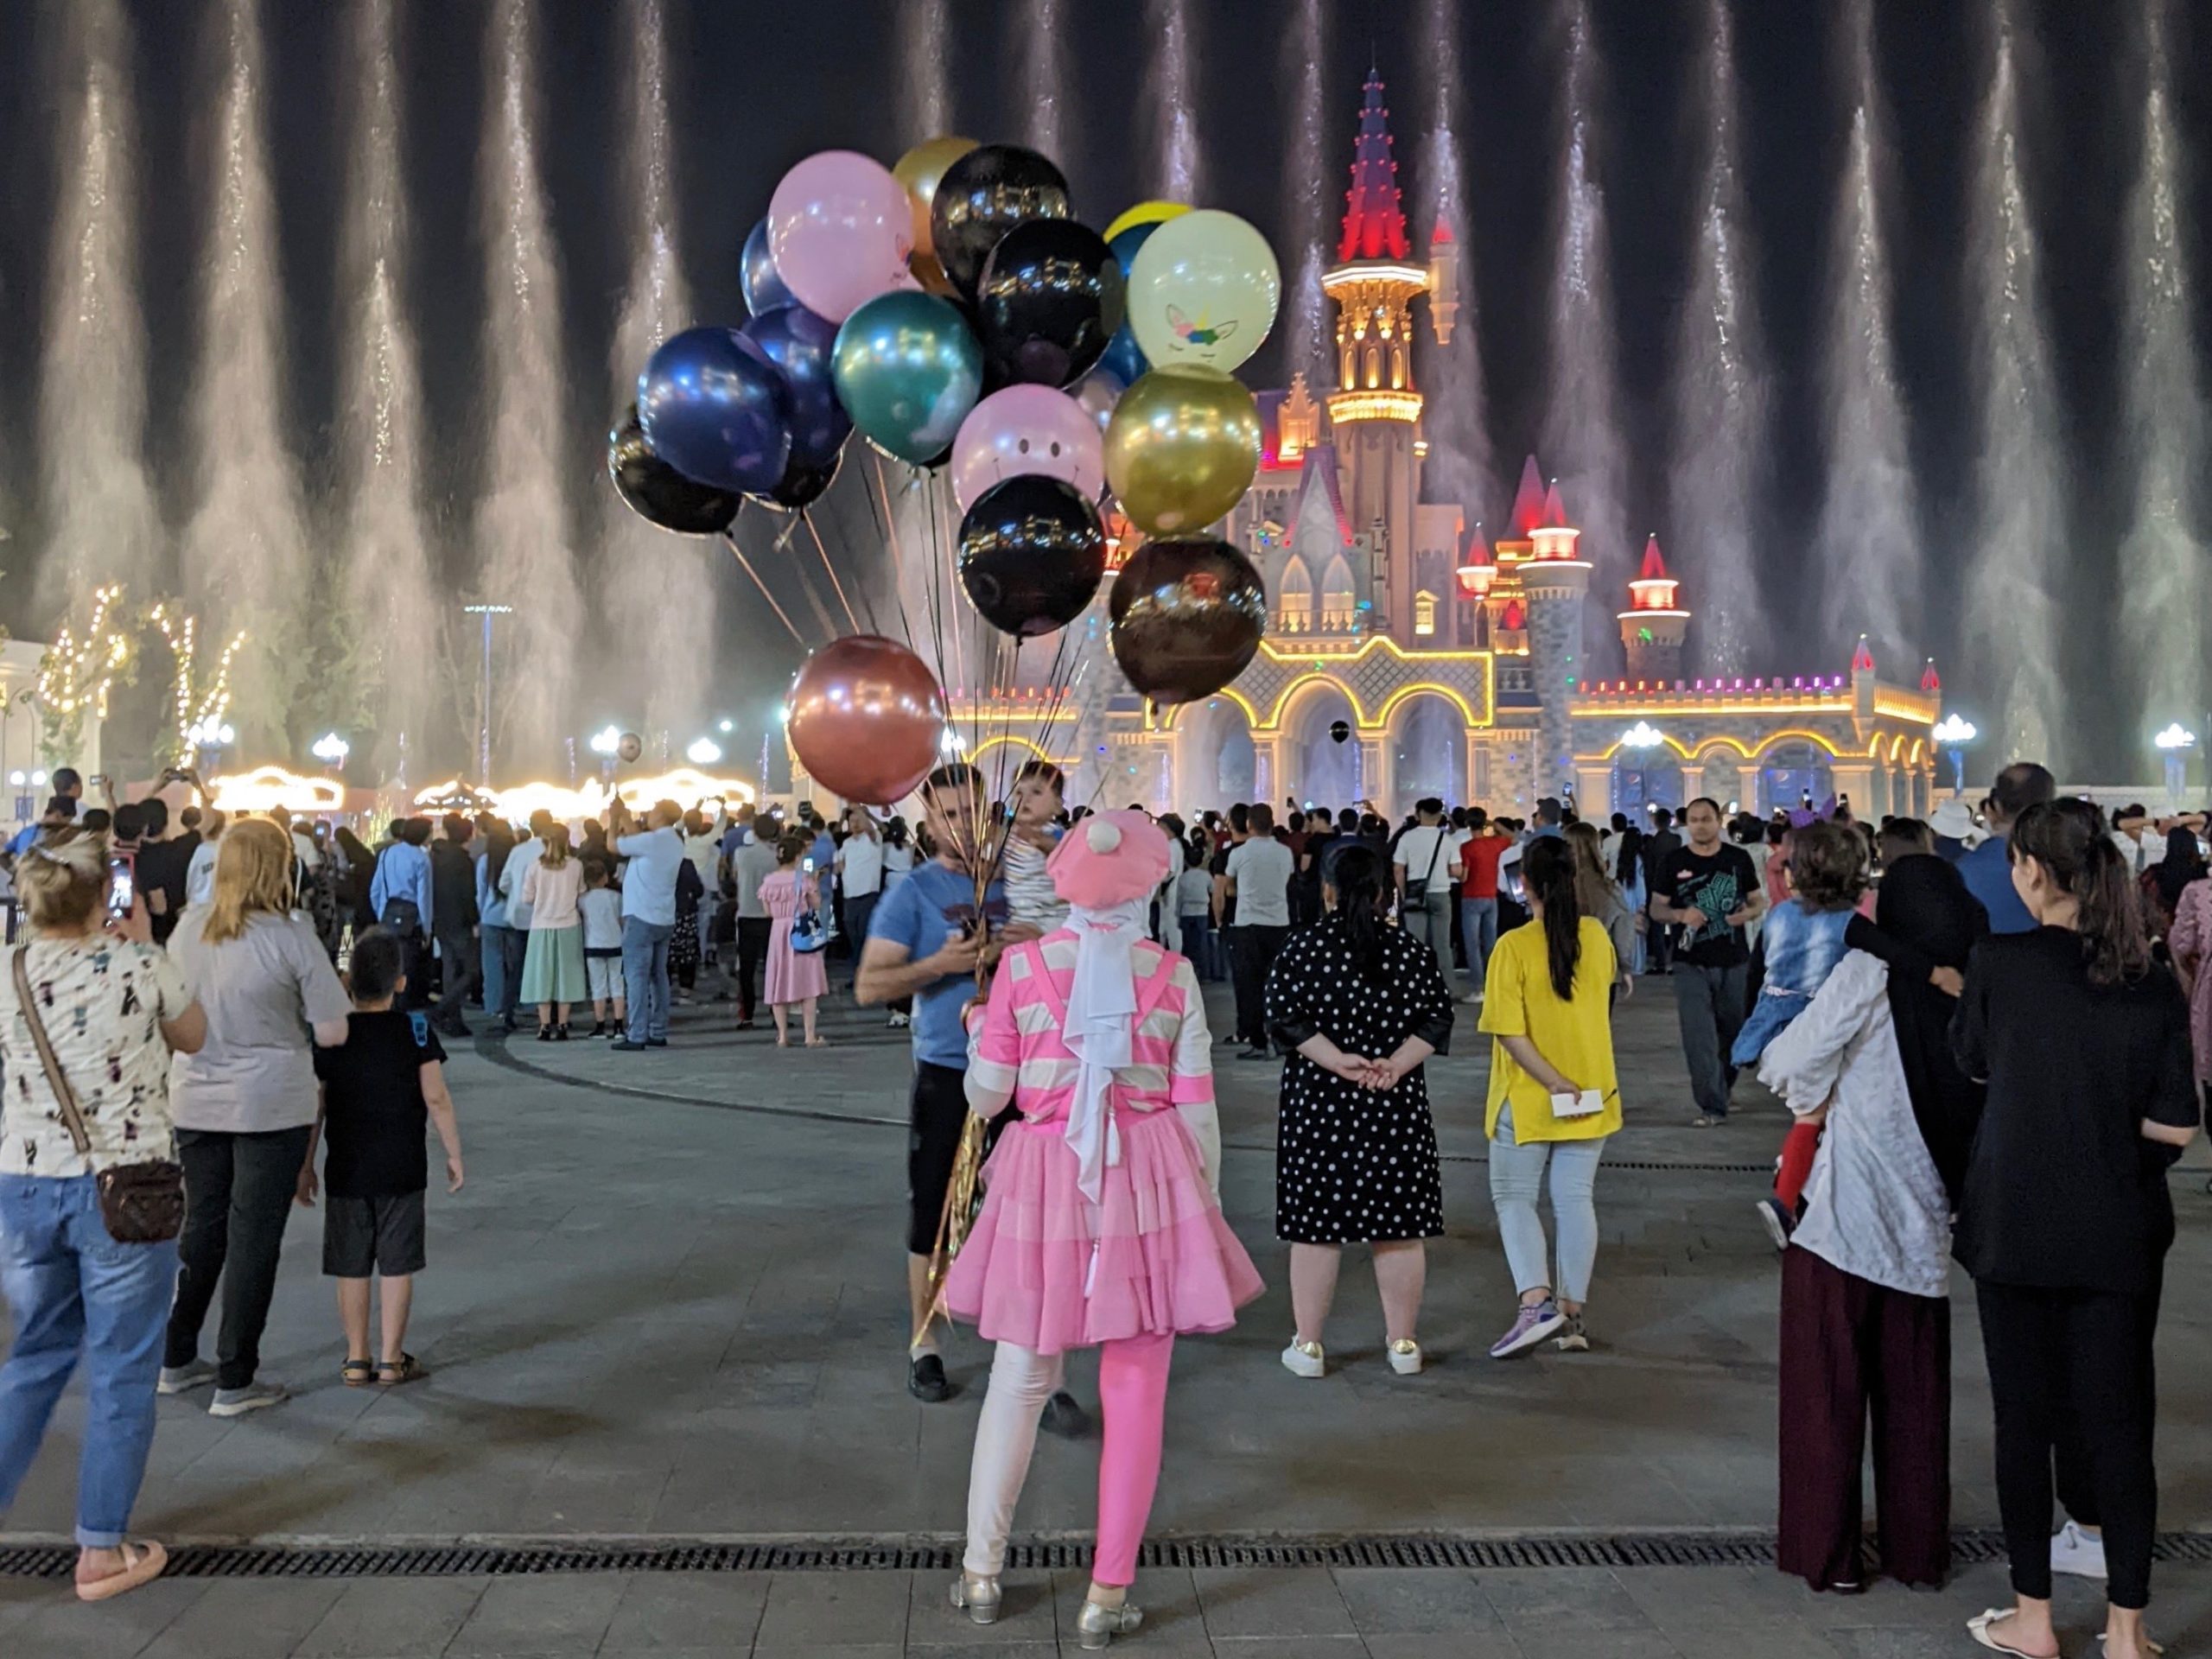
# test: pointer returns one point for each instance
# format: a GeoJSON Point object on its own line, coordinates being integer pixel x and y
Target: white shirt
{"type": "Point", "coordinates": [200, 873]}
{"type": "Point", "coordinates": [511, 876]}
{"type": "Point", "coordinates": [310, 854]}
{"type": "Point", "coordinates": [649, 882]}
{"type": "Point", "coordinates": [1260, 869]}
{"type": "Point", "coordinates": [1421, 843]}
{"type": "Point", "coordinates": [2136, 850]}
{"type": "Point", "coordinates": [860, 866]}
{"type": "Point", "coordinates": [898, 864]}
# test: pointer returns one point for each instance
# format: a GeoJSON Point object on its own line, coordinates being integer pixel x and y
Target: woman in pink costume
{"type": "Point", "coordinates": [1102, 1225]}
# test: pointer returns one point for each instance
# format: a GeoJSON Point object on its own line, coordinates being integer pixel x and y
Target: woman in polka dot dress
{"type": "Point", "coordinates": [1360, 1005]}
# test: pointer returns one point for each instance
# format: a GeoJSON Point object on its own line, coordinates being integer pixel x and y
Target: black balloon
{"type": "Point", "coordinates": [799, 343]}
{"type": "Point", "coordinates": [1049, 302]}
{"type": "Point", "coordinates": [801, 486]}
{"type": "Point", "coordinates": [1339, 731]}
{"type": "Point", "coordinates": [657, 491]}
{"type": "Point", "coordinates": [1032, 555]}
{"type": "Point", "coordinates": [983, 195]}
{"type": "Point", "coordinates": [1187, 618]}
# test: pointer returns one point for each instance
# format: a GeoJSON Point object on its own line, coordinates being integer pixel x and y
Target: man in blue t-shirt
{"type": "Point", "coordinates": [926, 941]}
{"type": "Point", "coordinates": [1987, 869]}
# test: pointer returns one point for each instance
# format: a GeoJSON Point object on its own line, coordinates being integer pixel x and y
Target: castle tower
{"type": "Point", "coordinates": [1374, 414]}
{"type": "Point", "coordinates": [1653, 625]}
{"type": "Point", "coordinates": [1555, 581]}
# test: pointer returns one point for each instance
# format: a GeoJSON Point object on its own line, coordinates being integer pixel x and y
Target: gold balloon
{"type": "Point", "coordinates": [1182, 448]}
{"type": "Point", "coordinates": [918, 171]}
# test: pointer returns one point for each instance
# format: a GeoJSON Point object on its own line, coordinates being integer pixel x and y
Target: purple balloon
{"type": "Point", "coordinates": [714, 407]}
{"type": "Point", "coordinates": [799, 343]}
{"type": "Point", "coordinates": [1027, 429]}
{"type": "Point", "coordinates": [840, 228]}
{"type": "Point", "coordinates": [756, 275]}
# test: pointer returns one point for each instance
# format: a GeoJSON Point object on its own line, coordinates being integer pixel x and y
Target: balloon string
{"type": "Point", "coordinates": [807, 519]}
{"type": "Point", "coordinates": [746, 565]}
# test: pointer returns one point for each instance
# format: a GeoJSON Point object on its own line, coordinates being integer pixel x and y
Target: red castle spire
{"type": "Point", "coordinates": [1554, 509]}
{"type": "Point", "coordinates": [1862, 660]}
{"type": "Point", "coordinates": [1653, 588]}
{"type": "Point", "coordinates": [1375, 224]}
{"type": "Point", "coordinates": [1929, 679]}
{"type": "Point", "coordinates": [1529, 501]}
{"type": "Point", "coordinates": [1477, 570]}
{"type": "Point", "coordinates": [1655, 566]}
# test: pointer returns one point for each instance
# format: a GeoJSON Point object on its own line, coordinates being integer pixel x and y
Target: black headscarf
{"type": "Point", "coordinates": [1929, 920]}
{"type": "Point", "coordinates": [2181, 865]}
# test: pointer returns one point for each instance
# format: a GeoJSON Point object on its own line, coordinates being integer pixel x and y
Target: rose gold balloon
{"type": "Point", "coordinates": [865, 719]}
{"type": "Point", "coordinates": [918, 170]}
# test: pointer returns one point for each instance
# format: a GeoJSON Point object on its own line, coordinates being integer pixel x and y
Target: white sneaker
{"type": "Point", "coordinates": [900, 1021]}
{"type": "Point", "coordinates": [1304, 1359]}
{"type": "Point", "coordinates": [1406, 1358]}
{"type": "Point", "coordinates": [1474, 997]}
{"type": "Point", "coordinates": [2076, 1552]}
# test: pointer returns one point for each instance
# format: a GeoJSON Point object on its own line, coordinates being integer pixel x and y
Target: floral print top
{"type": "Point", "coordinates": [103, 1001]}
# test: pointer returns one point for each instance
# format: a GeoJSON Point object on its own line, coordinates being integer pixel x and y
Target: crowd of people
{"type": "Point", "coordinates": [1991, 1032]}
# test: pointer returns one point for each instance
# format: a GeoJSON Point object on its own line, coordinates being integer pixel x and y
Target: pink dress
{"type": "Point", "coordinates": [2190, 940]}
{"type": "Point", "coordinates": [793, 975]}
{"type": "Point", "coordinates": [1045, 1269]}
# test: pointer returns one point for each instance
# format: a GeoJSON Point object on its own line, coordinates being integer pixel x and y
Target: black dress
{"type": "Point", "coordinates": [1353, 1167]}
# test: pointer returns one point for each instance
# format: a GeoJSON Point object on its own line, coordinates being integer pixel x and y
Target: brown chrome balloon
{"type": "Point", "coordinates": [1187, 618]}
{"type": "Point", "coordinates": [866, 717]}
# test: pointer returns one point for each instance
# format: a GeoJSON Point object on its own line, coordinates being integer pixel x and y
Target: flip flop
{"type": "Point", "coordinates": [142, 1564]}
{"type": "Point", "coordinates": [1978, 1628]}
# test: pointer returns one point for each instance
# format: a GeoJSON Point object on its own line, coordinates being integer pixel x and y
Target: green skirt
{"type": "Point", "coordinates": [553, 966]}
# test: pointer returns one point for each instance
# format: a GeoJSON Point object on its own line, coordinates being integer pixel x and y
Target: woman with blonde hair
{"type": "Point", "coordinates": [109, 1009]}
{"type": "Point", "coordinates": [244, 1104]}
{"type": "Point", "coordinates": [553, 972]}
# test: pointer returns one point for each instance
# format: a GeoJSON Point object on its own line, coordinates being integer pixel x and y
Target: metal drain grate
{"type": "Point", "coordinates": [1535, 1552]}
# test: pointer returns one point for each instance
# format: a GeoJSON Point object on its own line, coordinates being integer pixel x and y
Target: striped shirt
{"type": "Point", "coordinates": [1031, 896]}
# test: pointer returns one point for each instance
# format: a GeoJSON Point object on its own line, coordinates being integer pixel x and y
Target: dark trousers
{"type": "Point", "coordinates": [458, 952]}
{"type": "Point", "coordinates": [860, 909]}
{"type": "Point", "coordinates": [237, 1194]}
{"type": "Point", "coordinates": [1850, 1348]}
{"type": "Point", "coordinates": [1709, 1003]}
{"type": "Point", "coordinates": [2070, 1373]}
{"type": "Point", "coordinates": [752, 933]}
{"type": "Point", "coordinates": [1252, 952]}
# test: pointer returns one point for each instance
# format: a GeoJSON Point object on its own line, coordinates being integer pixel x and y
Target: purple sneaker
{"type": "Point", "coordinates": [1531, 1325]}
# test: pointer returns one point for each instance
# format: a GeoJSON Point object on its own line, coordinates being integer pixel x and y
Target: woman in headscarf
{"type": "Point", "coordinates": [1102, 1225]}
{"type": "Point", "coordinates": [1865, 1314]}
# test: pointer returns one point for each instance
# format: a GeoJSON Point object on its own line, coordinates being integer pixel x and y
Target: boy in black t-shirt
{"type": "Point", "coordinates": [381, 1088]}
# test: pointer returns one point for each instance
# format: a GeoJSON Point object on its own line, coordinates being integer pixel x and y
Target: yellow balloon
{"type": "Point", "coordinates": [1146, 212]}
{"type": "Point", "coordinates": [918, 171]}
{"type": "Point", "coordinates": [1182, 448]}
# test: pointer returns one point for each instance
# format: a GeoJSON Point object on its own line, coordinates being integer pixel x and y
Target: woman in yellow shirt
{"type": "Point", "coordinates": [1552, 1095]}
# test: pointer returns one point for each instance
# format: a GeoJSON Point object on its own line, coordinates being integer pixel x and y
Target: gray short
{"type": "Point", "coordinates": [359, 1235]}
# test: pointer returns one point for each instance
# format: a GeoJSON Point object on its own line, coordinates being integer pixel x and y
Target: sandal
{"type": "Point", "coordinates": [1980, 1629]}
{"type": "Point", "coordinates": [358, 1373]}
{"type": "Point", "coordinates": [406, 1369]}
{"type": "Point", "coordinates": [142, 1564]}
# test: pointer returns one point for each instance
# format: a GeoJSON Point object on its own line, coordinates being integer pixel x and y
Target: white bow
{"type": "Point", "coordinates": [1101, 1025]}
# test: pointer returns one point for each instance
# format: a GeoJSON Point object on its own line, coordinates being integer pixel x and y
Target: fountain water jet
{"type": "Point", "coordinates": [2011, 615]}
{"type": "Point", "coordinates": [394, 615]}
{"type": "Point", "coordinates": [926, 94]}
{"type": "Point", "coordinates": [522, 529]}
{"type": "Point", "coordinates": [2163, 560]}
{"type": "Point", "coordinates": [1305, 220]}
{"type": "Point", "coordinates": [1867, 546]}
{"type": "Point", "coordinates": [245, 558]}
{"type": "Point", "coordinates": [663, 630]}
{"type": "Point", "coordinates": [100, 512]}
{"type": "Point", "coordinates": [1720, 397]}
{"type": "Point", "coordinates": [1583, 442]}
{"type": "Point", "coordinates": [1456, 418]}
{"type": "Point", "coordinates": [1044, 77]}
{"type": "Point", "coordinates": [1173, 94]}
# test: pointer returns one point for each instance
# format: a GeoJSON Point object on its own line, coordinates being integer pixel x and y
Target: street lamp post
{"type": "Point", "coordinates": [332, 750]}
{"type": "Point", "coordinates": [604, 743]}
{"type": "Point", "coordinates": [484, 725]}
{"type": "Point", "coordinates": [1954, 735]}
{"type": "Point", "coordinates": [703, 752]}
{"type": "Point", "coordinates": [2175, 743]}
{"type": "Point", "coordinates": [208, 738]}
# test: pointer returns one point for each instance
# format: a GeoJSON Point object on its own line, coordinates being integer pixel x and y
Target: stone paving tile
{"type": "Point", "coordinates": [1412, 1600]}
{"type": "Point", "coordinates": [830, 1608]}
{"type": "Point", "coordinates": [1027, 1614]}
{"type": "Point", "coordinates": [1602, 1644]}
{"type": "Point", "coordinates": [391, 1616]}
{"type": "Point", "coordinates": [1478, 1645]}
{"type": "Point", "coordinates": [54, 1624]}
{"type": "Point", "coordinates": [1561, 1600]}
{"type": "Point", "coordinates": [263, 1618]}
{"type": "Point", "coordinates": [1275, 1602]}
{"type": "Point", "coordinates": [1289, 1647]}
{"type": "Point", "coordinates": [520, 1617]}
{"type": "Point", "coordinates": [660, 1612]}
{"type": "Point", "coordinates": [1174, 1625]}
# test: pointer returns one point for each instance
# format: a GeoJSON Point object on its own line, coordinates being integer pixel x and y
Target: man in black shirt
{"type": "Point", "coordinates": [1710, 891]}
{"type": "Point", "coordinates": [453, 910]}
{"type": "Point", "coordinates": [1662, 844]}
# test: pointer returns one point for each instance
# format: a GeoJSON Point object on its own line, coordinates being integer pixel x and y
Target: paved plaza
{"type": "Point", "coordinates": [667, 1308]}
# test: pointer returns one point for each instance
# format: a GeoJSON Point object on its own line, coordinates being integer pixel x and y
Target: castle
{"type": "Point", "coordinates": [1406, 657]}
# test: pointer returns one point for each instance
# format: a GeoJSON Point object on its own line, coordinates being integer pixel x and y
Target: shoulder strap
{"type": "Point", "coordinates": [57, 1079]}
{"type": "Point", "coordinates": [1436, 851]}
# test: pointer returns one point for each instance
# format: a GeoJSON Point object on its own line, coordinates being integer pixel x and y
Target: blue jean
{"type": "Point", "coordinates": [645, 977]}
{"type": "Point", "coordinates": [1516, 1178]}
{"type": "Point", "coordinates": [71, 1290]}
{"type": "Point", "coordinates": [1198, 943]}
{"type": "Point", "coordinates": [1478, 931]}
{"type": "Point", "coordinates": [503, 949]}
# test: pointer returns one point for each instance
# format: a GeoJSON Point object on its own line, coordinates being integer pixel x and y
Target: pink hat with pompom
{"type": "Point", "coordinates": [1108, 859]}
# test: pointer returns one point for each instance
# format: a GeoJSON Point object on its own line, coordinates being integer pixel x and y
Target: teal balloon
{"type": "Point", "coordinates": [1123, 355]}
{"type": "Point", "coordinates": [908, 368]}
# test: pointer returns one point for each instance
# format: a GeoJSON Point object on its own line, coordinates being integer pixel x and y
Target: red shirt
{"type": "Point", "coordinates": [1479, 858]}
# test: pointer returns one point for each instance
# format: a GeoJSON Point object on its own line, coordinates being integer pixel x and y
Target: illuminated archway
{"type": "Point", "coordinates": [1315, 767]}
{"type": "Point", "coordinates": [1216, 763]}
{"type": "Point", "coordinates": [1794, 773]}
{"type": "Point", "coordinates": [1426, 728]}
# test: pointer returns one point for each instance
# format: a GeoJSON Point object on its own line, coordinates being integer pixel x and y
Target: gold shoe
{"type": "Point", "coordinates": [979, 1597]}
{"type": "Point", "coordinates": [1095, 1626]}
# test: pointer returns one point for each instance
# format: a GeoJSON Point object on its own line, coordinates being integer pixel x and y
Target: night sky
{"type": "Point", "coordinates": [753, 87]}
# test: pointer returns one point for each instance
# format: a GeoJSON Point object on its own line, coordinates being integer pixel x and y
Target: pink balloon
{"type": "Point", "coordinates": [1027, 429]}
{"type": "Point", "coordinates": [839, 230]}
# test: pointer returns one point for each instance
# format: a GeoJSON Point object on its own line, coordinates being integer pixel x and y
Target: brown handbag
{"type": "Point", "coordinates": [142, 1204]}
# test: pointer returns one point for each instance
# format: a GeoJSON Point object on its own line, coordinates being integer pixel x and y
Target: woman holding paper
{"type": "Point", "coordinates": [1553, 1098]}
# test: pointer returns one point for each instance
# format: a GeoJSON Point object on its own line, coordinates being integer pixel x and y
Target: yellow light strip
{"type": "Point", "coordinates": [1345, 407]}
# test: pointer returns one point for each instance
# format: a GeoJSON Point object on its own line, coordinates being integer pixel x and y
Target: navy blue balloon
{"type": "Point", "coordinates": [799, 343]}
{"type": "Point", "coordinates": [716, 407]}
{"type": "Point", "coordinates": [1123, 355]}
{"type": "Point", "coordinates": [756, 274]}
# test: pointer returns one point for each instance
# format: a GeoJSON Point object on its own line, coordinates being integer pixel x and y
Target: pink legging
{"type": "Point", "coordinates": [1132, 1397]}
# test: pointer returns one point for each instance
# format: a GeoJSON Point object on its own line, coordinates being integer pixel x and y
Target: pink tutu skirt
{"type": "Point", "coordinates": [1166, 1259]}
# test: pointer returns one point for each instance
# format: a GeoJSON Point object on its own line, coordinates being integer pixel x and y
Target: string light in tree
{"type": "Point", "coordinates": [76, 675]}
{"type": "Point", "coordinates": [194, 707]}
